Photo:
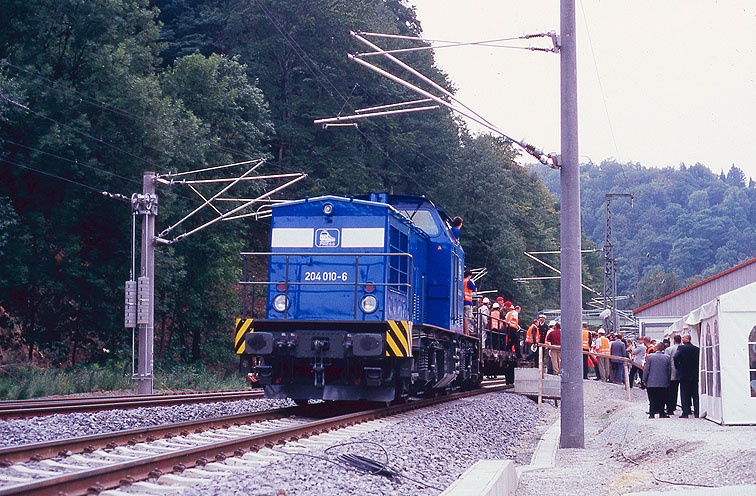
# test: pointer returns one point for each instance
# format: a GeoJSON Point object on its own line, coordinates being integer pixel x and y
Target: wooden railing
{"type": "Point", "coordinates": [626, 363]}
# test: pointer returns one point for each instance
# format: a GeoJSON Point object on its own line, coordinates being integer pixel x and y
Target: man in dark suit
{"type": "Point", "coordinates": [656, 376]}
{"type": "Point", "coordinates": [686, 361]}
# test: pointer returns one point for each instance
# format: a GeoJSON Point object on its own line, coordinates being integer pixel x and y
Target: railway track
{"type": "Point", "coordinates": [37, 407]}
{"type": "Point", "coordinates": [179, 451]}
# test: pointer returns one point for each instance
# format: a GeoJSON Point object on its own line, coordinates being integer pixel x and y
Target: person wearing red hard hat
{"type": "Point", "coordinates": [512, 322]}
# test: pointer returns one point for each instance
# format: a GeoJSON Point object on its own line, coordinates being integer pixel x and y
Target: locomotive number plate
{"type": "Point", "coordinates": [325, 276]}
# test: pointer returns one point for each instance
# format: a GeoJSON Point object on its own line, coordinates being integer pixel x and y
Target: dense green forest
{"type": "Point", "coordinates": [93, 93]}
{"type": "Point", "coordinates": [685, 224]}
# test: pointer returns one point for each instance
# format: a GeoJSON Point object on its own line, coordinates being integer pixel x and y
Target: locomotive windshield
{"type": "Point", "coordinates": [422, 219]}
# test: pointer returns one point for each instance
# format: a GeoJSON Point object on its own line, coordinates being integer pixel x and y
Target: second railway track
{"type": "Point", "coordinates": [37, 407]}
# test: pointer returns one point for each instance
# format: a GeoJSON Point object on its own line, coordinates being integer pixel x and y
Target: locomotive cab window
{"type": "Point", "coordinates": [398, 265]}
{"type": "Point", "coordinates": [422, 219]}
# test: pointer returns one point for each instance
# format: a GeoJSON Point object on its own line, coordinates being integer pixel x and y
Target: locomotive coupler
{"type": "Point", "coordinates": [320, 346]}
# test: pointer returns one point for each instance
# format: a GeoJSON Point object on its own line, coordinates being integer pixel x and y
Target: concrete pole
{"type": "Point", "coordinates": [147, 331]}
{"type": "Point", "coordinates": [572, 420]}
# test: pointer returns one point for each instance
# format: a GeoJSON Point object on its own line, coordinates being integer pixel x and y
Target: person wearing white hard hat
{"type": "Point", "coordinates": [601, 345]}
{"type": "Point", "coordinates": [484, 314]}
{"type": "Point", "coordinates": [496, 323]}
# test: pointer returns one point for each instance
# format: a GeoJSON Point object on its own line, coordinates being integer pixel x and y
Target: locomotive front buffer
{"type": "Point", "coordinates": [330, 360]}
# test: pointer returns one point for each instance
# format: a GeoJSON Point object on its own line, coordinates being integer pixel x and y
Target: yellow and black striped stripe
{"type": "Point", "coordinates": [399, 339]}
{"type": "Point", "coordinates": [243, 326]}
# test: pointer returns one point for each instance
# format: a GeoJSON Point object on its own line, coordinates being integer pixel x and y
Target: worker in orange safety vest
{"type": "Point", "coordinates": [586, 347]}
{"type": "Point", "coordinates": [470, 289]}
{"type": "Point", "coordinates": [496, 324]}
{"type": "Point", "coordinates": [532, 337]}
{"type": "Point", "coordinates": [601, 346]}
{"type": "Point", "coordinates": [512, 322]}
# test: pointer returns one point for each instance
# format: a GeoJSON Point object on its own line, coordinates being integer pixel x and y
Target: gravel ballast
{"type": "Point", "coordinates": [625, 451]}
{"type": "Point", "coordinates": [435, 447]}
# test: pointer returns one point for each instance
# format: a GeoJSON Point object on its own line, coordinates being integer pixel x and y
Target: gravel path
{"type": "Point", "coordinates": [628, 452]}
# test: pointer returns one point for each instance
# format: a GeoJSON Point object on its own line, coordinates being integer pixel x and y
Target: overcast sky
{"type": "Point", "coordinates": [673, 80]}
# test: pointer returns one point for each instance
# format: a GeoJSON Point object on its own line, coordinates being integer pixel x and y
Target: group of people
{"type": "Point", "coordinates": [662, 369]}
{"type": "Point", "coordinates": [665, 369]}
{"type": "Point", "coordinates": [499, 324]}
{"type": "Point", "coordinates": [612, 345]}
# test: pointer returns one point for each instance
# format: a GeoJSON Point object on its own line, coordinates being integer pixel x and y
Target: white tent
{"type": "Point", "coordinates": [727, 381]}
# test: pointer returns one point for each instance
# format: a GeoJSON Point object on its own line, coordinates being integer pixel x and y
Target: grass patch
{"type": "Point", "coordinates": [196, 378]}
{"type": "Point", "coordinates": [21, 382]}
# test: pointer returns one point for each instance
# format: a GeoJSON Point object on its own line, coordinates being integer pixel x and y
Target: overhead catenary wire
{"type": "Point", "coordinates": [418, 74]}
{"type": "Point", "coordinates": [330, 120]}
{"type": "Point", "coordinates": [431, 40]}
{"type": "Point", "coordinates": [101, 141]}
{"type": "Point", "coordinates": [465, 110]}
{"type": "Point", "coordinates": [82, 133]}
{"type": "Point", "coordinates": [227, 215]}
{"type": "Point", "coordinates": [603, 94]}
{"type": "Point", "coordinates": [392, 105]}
{"type": "Point", "coordinates": [71, 181]}
{"type": "Point", "coordinates": [73, 161]}
{"type": "Point", "coordinates": [301, 54]}
{"type": "Point", "coordinates": [229, 179]}
{"type": "Point", "coordinates": [472, 115]}
{"type": "Point", "coordinates": [186, 173]}
{"type": "Point", "coordinates": [556, 270]}
{"type": "Point", "coordinates": [420, 49]}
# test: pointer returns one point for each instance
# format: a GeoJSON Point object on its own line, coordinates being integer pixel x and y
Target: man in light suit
{"type": "Point", "coordinates": [656, 376]}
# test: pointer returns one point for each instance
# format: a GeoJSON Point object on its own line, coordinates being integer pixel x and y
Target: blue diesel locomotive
{"type": "Point", "coordinates": [364, 301]}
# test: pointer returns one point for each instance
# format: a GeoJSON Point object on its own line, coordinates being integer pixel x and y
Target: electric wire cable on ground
{"type": "Point", "coordinates": [361, 463]}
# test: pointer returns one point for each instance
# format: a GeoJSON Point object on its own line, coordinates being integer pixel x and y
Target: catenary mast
{"type": "Point", "coordinates": [572, 419]}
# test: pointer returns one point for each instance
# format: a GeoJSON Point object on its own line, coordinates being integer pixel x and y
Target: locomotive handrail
{"type": "Point", "coordinates": [356, 282]}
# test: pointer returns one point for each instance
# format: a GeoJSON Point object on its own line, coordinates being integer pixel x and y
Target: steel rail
{"type": "Point", "coordinates": [96, 479]}
{"type": "Point", "coordinates": [86, 444]}
{"type": "Point", "coordinates": [19, 408]}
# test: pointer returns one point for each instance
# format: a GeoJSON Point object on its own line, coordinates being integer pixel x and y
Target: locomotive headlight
{"type": "Point", "coordinates": [328, 208]}
{"type": "Point", "coordinates": [369, 304]}
{"type": "Point", "coordinates": [280, 302]}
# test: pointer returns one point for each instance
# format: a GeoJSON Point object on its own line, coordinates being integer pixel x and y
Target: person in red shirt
{"type": "Point", "coordinates": [554, 338]}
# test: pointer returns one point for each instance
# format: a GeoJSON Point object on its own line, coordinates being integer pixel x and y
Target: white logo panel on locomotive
{"type": "Point", "coordinates": [327, 238]}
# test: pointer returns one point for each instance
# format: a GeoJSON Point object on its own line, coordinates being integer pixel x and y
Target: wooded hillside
{"type": "Point", "coordinates": [94, 93]}
{"type": "Point", "coordinates": [684, 225]}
